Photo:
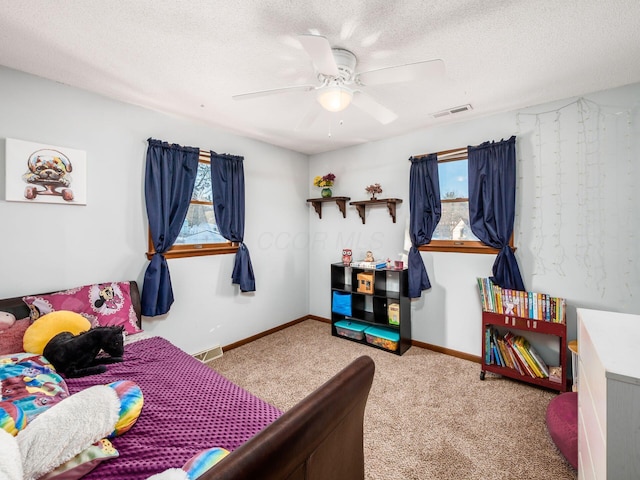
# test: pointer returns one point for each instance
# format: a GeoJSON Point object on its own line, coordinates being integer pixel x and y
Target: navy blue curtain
{"type": "Point", "coordinates": [424, 215]}
{"type": "Point", "coordinates": [169, 178]}
{"type": "Point", "coordinates": [227, 180]}
{"type": "Point", "coordinates": [492, 200]}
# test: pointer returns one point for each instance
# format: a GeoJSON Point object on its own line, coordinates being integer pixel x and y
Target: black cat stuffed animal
{"type": "Point", "coordinates": [77, 355]}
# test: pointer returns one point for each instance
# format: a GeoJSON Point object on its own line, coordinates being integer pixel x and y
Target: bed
{"type": "Point", "coordinates": [189, 407]}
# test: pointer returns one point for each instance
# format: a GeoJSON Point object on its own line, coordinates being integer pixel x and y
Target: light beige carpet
{"type": "Point", "coordinates": [429, 416]}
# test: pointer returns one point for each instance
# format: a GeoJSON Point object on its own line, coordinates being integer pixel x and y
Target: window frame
{"type": "Point", "coordinates": [196, 249]}
{"type": "Point", "coordinates": [457, 246]}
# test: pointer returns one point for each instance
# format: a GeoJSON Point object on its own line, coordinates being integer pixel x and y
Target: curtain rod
{"type": "Point", "coordinates": [444, 155]}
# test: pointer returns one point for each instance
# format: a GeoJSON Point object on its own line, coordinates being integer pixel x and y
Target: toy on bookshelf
{"type": "Point", "coordinates": [555, 374]}
{"type": "Point", "coordinates": [537, 306]}
{"type": "Point", "coordinates": [393, 313]}
{"type": "Point", "coordinates": [365, 282]}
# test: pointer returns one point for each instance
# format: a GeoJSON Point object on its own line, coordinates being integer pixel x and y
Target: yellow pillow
{"type": "Point", "coordinates": [48, 326]}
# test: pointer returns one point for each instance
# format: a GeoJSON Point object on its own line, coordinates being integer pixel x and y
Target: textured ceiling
{"type": "Point", "coordinates": [190, 57]}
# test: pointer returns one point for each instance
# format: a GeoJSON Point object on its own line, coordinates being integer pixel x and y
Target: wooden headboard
{"type": "Point", "coordinates": [16, 306]}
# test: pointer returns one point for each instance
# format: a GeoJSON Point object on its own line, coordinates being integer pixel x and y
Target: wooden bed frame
{"type": "Point", "coordinates": [320, 438]}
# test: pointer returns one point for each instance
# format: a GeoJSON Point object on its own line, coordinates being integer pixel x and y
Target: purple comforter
{"type": "Point", "coordinates": [187, 408]}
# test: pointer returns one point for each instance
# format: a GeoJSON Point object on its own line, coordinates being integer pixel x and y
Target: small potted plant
{"type": "Point", "coordinates": [373, 190]}
{"type": "Point", "coordinates": [325, 182]}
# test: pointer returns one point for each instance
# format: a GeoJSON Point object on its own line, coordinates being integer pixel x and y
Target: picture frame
{"type": "Point", "coordinates": [42, 173]}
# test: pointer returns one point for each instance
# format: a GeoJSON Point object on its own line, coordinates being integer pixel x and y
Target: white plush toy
{"type": "Point", "coordinates": [13, 468]}
{"type": "Point", "coordinates": [6, 320]}
{"type": "Point", "coordinates": [76, 423]}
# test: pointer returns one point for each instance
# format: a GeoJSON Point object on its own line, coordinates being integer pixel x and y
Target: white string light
{"type": "Point", "coordinates": [599, 138]}
{"type": "Point", "coordinates": [517, 221]}
{"type": "Point", "coordinates": [559, 257]}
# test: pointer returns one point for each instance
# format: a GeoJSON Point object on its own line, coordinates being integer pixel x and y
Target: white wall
{"type": "Point", "coordinates": [46, 247]}
{"type": "Point", "coordinates": [577, 225]}
{"type": "Point", "coordinates": [581, 244]}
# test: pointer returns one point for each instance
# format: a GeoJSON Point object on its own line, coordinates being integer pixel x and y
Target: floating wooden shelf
{"type": "Point", "coordinates": [341, 201]}
{"type": "Point", "coordinates": [389, 202]}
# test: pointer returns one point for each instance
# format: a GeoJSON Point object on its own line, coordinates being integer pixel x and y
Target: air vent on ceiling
{"type": "Point", "coordinates": [451, 111]}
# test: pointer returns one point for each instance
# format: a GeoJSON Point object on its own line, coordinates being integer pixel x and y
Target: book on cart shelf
{"type": "Point", "coordinates": [525, 368]}
{"type": "Point", "coordinates": [537, 306]}
{"type": "Point", "coordinates": [515, 352]}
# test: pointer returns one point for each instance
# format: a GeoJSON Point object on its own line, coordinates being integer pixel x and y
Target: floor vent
{"type": "Point", "coordinates": [451, 111]}
{"type": "Point", "coordinates": [208, 355]}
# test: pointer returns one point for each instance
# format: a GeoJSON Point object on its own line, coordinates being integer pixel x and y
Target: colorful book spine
{"type": "Point", "coordinates": [534, 359]}
{"type": "Point", "coordinates": [525, 354]}
{"type": "Point", "coordinates": [496, 347]}
{"type": "Point", "coordinates": [544, 369]}
{"type": "Point", "coordinates": [514, 361]}
{"type": "Point", "coordinates": [537, 306]}
{"type": "Point", "coordinates": [496, 355]}
{"type": "Point", "coordinates": [511, 338]}
{"type": "Point", "coordinates": [487, 345]}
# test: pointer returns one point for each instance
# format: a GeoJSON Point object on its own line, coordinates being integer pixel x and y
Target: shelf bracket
{"type": "Point", "coordinates": [342, 206]}
{"type": "Point", "coordinates": [392, 210]}
{"type": "Point", "coordinates": [361, 210]}
{"type": "Point", "coordinates": [340, 201]}
{"type": "Point", "coordinates": [390, 202]}
{"type": "Point", "coordinates": [318, 208]}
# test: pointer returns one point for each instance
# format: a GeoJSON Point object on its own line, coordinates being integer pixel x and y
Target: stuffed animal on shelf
{"type": "Point", "coordinates": [77, 355]}
{"type": "Point", "coordinates": [346, 256]}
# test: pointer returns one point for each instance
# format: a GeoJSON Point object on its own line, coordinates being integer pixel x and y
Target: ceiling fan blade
{"type": "Point", "coordinates": [308, 119]}
{"type": "Point", "coordinates": [273, 91]}
{"type": "Point", "coordinates": [402, 73]}
{"type": "Point", "coordinates": [368, 105]}
{"type": "Point", "coordinates": [319, 49]}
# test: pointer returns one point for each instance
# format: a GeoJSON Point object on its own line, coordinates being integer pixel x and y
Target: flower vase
{"type": "Point", "coordinates": [326, 192]}
{"type": "Point", "coordinates": [373, 197]}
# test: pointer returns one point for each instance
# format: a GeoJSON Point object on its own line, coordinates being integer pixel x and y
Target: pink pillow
{"type": "Point", "coordinates": [11, 339]}
{"type": "Point", "coordinates": [103, 304]}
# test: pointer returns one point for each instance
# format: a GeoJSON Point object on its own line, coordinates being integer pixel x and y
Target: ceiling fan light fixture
{"type": "Point", "coordinates": [334, 98]}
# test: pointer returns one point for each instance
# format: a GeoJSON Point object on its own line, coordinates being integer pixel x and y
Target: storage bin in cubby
{"type": "Point", "coordinates": [382, 337]}
{"type": "Point", "coordinates": [351, 329]}
{"type": "Point", "coordinates": [341, 303]}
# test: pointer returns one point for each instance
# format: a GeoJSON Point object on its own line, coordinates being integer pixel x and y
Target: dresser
{"type": "Point", "coordinates": [608, 395]}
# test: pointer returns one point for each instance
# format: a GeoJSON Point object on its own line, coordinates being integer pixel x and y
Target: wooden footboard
{"type": "Point", "coordinates": [320, 438]}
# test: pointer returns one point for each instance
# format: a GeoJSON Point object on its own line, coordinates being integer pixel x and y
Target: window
{"type": "Point", "coordinates": [199, 234]}
{"type": "Point", "coordinates": [453, 232]}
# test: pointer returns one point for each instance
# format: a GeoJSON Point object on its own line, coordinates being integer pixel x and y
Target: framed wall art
{"type": "Point", "coordinates": [39, 173]}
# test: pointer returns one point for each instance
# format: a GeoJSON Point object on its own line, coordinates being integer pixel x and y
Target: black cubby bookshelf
{"type": "Point", "coordinates": [389, 286]}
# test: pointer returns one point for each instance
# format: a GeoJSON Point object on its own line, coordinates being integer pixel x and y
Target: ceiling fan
{"type": "Point", "coordinates": [340, 84]}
